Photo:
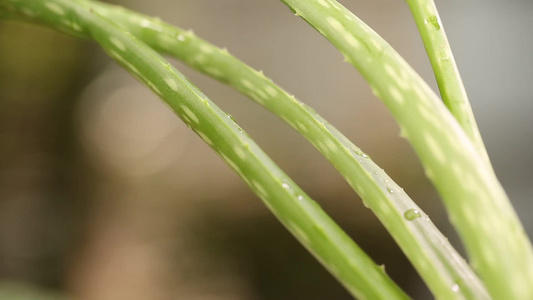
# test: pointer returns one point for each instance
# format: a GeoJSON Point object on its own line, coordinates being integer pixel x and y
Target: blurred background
{"type": "Point", "coordinates": [105, 194]}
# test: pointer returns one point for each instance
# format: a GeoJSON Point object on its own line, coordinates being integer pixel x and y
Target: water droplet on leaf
{"type": "Point", "coordinates": [434, 20]}
{"type": "Point", "coordinates": [455, 288]}
{"type": "Point", "coordinates": [230, 117]}
{"type": "Point", "coordinates": [412, 214]}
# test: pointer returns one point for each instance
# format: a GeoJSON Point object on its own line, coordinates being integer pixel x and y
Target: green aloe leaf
{"type": "Point", "coordinates": [498, 248]}
{"type": "Point", "coordinates": [302, 216]}
{"type": "Point", "coordinates": [446, 273]}
{"type": "Point", "coordinates": [446, 72]}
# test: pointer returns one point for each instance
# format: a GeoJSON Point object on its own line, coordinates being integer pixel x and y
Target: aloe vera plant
{"type": "Point", "coordinates": [445, 138]}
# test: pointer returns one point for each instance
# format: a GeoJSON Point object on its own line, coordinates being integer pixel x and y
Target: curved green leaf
{"type": "Point", "coordinates": [446, 273]}
{"type": "Point", "coordinates": [477, 205]}
{"type": "Point", "coordinates": [446, 72]}
{"type": "Point", "coordinates": [301, 215]}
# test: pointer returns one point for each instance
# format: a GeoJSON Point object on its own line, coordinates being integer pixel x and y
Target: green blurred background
{"type": "Point", "coordinates": [105, 194]}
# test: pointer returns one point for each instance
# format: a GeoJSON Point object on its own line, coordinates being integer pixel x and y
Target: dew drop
{"type": "Point", "coordinates": [455, 288]}
{"type": "Point", "coordinates": [145, 23]}
{"type": "Point", "coordinates": [391, 191]}
{"type": "Point", "coordinates": [285, 185]}
{"type": "Point", "coordinates": [230, 117]}
{"type": "Point", "coordinates": [360, 153]}
{"type": "Point", "coordinates": [412, 214]}
{"type": "Point", "coordinates": [434, 20]}
{"type": "Point", "coordinates": [300, 198]}
{"type": "Point", "coordinates": [181, 38]}
{"type": "Point", "coordinates": [234, 122]}
{"type": "Point", "coordinates": [365, 204]}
